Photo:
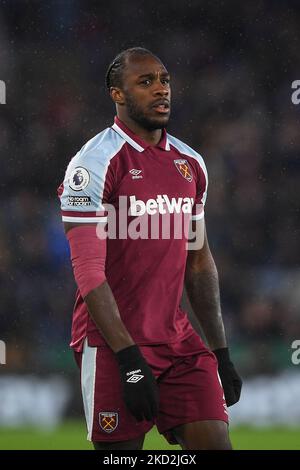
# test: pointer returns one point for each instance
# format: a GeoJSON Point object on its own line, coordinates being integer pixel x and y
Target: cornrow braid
{"type": "Point", "coordinates": [114, 74]}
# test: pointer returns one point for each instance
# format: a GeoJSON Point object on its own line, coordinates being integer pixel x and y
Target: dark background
{"type": "Point", "coordinates": [232, 64]}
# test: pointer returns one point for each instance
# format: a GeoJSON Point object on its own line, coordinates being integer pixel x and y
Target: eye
{"type": "Point", "coordinates": [165, 81]}
{"type": "Point", "coordinates": [146, 82]}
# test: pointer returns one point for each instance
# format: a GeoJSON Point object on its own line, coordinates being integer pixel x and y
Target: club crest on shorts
{"type": "Point", "coordinates": [184, 169]}
{"type": "Point", "coordinates": [108, 421]}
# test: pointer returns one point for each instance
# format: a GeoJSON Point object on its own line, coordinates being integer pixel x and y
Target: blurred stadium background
{"type": "Point", "coordinates": [232, 65]}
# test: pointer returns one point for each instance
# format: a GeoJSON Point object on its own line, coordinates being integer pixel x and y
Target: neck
{"type": "Point", "coordinates": [151, 137]}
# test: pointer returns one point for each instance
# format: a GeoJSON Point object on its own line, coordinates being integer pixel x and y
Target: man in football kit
{"type": "Point", "coordinates": [141, 361]}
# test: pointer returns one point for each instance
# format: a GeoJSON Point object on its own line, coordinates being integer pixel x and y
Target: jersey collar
{"type": "Point", "coordinates": [135, 141]}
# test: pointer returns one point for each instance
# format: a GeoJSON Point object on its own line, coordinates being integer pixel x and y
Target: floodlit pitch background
{"type": "Point", "coordinates": [233, 64]}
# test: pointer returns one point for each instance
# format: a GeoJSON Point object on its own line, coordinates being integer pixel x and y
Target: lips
{"type": "Point", "coordinates": [161, 106]}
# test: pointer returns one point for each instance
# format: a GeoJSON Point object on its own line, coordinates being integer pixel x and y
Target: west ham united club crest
{"type": "Point", "coordinates": [184, 169]}
{"type": "Point", "coordinates": [108, 421]}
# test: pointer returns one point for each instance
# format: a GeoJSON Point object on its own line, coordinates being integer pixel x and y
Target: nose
{"type": "Point", "coordinates": [160, 89]}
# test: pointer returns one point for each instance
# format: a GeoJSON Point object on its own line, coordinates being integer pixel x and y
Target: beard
{"type": "Point", "coordinates": [137, 114]}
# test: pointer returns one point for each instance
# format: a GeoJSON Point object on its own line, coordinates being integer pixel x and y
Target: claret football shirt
{"type": "Point", "coordinates": [143, 195]}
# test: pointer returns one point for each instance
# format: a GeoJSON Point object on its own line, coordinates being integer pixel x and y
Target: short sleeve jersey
{"type": "Point", "coordinates": [145, 195]}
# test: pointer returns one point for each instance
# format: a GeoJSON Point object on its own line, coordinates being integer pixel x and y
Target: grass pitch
{"type": "Point", "coordinates": [72, 435]}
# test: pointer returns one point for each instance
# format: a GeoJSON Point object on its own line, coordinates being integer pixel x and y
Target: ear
{"type": "Point", "coordinates": [117, 95]}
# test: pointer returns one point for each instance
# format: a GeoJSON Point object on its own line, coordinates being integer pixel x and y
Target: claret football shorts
{"type": "Point", "coordinates": [189, 390]}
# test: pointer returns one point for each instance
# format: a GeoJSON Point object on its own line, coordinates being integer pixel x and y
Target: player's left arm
{"type": "Point", "coordinates": [202, 286]}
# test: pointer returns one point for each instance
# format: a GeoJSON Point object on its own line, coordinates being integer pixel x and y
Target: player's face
{"type": "Point", "coordinates": [146, 92]}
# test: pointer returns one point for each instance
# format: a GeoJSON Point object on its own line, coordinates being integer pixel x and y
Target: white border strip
{"type": "Point", "coordinates": [88, 378]}
{"type": "Point", "coordinates": [127, 138]}
{"type": "Point", "coordinates": [83, 219]}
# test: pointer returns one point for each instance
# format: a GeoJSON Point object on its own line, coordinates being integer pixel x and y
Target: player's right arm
{"type": "Point", "coordinates": [83, 194]}
{"type": "Point", "coordinates": [88, 261]}
{"type": "Point", "coordinates": [100, 300]}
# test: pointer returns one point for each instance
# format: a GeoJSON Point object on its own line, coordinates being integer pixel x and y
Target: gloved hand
{"type": "Point", "coordinates": [231, 381]}
{"type": "Point", "coordinates": [140, 390]}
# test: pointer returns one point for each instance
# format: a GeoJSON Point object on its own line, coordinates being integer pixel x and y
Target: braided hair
{"type": "Point", "coordinates": [114, 74]}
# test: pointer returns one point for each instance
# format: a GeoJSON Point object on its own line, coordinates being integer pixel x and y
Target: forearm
{"type": "Point", "coordinates": [202, 286]}
{"type": "Point", "coordinates": [105, 313]}
{"type": "Point", "coordinates": [88, 254]}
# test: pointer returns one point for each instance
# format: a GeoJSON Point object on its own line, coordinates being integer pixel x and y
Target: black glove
{"type": "Point", "coordinates": [231, 381]}
{"type": "Point", "coordinates": [140, 391]}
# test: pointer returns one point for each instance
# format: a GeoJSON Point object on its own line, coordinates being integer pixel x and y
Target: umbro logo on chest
{"type": "Point", "coordinates": [136, 174]}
